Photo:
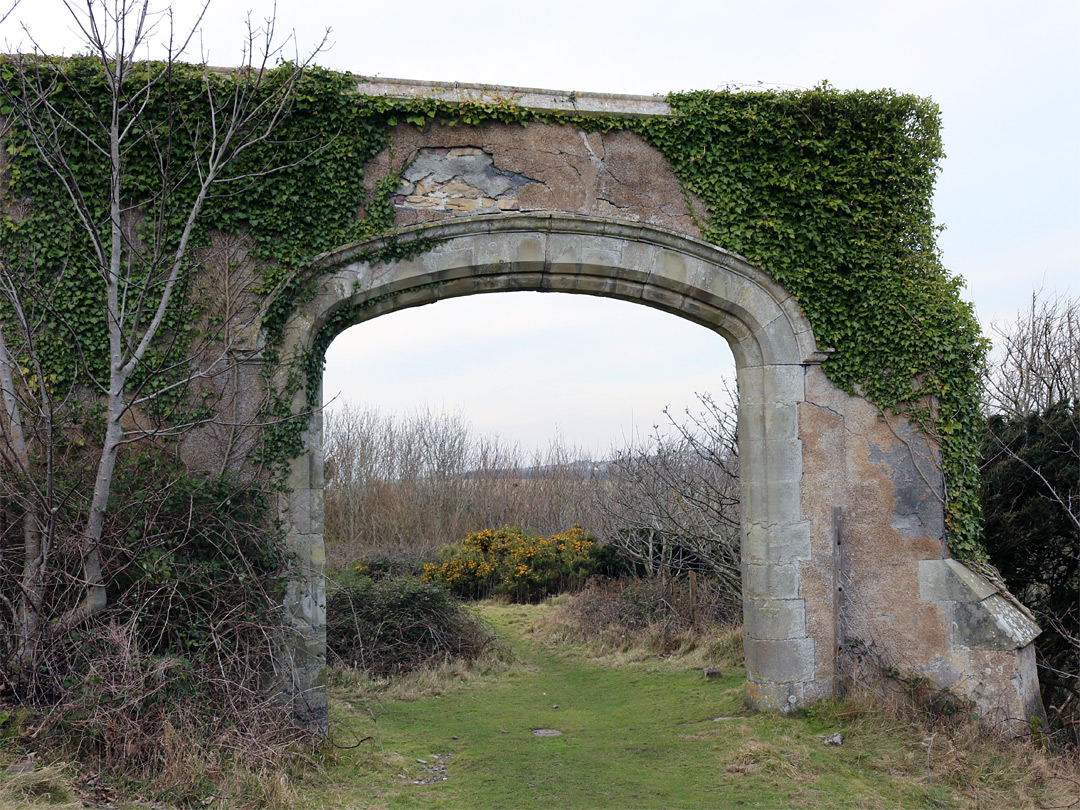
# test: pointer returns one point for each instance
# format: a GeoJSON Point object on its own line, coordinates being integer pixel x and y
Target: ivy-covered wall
{"type": "Point", "coordinates": [829, 192]}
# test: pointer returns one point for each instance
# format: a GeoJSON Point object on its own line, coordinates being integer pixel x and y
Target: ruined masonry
{"type": "Point", "coordinates": [845, 565]}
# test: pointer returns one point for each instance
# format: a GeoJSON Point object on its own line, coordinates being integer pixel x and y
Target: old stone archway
{"type": "Point", "coordinates": [485, 189]}
{"type": "Point", "coordinates": [842, 519]}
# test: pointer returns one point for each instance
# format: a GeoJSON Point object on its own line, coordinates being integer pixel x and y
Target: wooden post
{"type": "Point", "coordinates": [693, 598]}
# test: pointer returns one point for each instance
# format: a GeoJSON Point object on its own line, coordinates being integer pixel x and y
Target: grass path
{"type": "Point", "coordinates": [649, 735]}
{"type": "Point", "coordinates": [643, 736]}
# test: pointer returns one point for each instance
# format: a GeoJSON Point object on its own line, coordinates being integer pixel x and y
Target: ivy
{"type": "Point", "coordinates": [829, 192]}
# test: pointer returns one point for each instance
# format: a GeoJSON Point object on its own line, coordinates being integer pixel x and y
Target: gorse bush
{"type": "Point", "coordinates": [513, 563]}
{"type": "Point", "coordinates": [389, 627]}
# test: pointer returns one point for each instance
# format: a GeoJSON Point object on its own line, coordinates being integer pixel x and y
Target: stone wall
{"type": "Point", "coordinates": [902, 604]}
{"type": "Point", "coordinates": [842, 517]}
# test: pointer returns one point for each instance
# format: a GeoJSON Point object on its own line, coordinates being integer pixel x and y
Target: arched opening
{"type": "Point", "coordinates": [526, 365]}
{"type": "Point", "coordinates": [790, 660]}
{"type": "Point", "coordinates": [538, 411]}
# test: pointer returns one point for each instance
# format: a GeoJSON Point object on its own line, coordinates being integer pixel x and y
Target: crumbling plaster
{"type": "Point", "coordinates": [553, 168]}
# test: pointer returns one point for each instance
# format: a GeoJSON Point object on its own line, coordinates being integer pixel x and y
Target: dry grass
{"type": "Point", "coordinates": [762, 757]}
{"type": "Point", "coordinates": [50, 786]}
{"type": "Point", "coordinates": [595, 621]}
{"type": "Point", "coordinates": [62, 786]}
{"type": "Point", "coordinates": [958, 755]}
{"type": "Point", "coordinates": [136, 725]}
{"type": "Point", "coordinates": [192, 776]}
{"type": "Point", "coordinates": [716, 646]}
{"type": "Point", "coordinates": [353, 684]}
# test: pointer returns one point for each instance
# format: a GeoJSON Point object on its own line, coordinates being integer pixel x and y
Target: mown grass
{"type": "Point", "coordinates": [647, 732]}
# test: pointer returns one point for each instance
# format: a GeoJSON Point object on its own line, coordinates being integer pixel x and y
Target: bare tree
{"type": "Point", "coordinates": [1037, 378]}
{"type": "Point", "coordinates": [1038, 358]}
{"type": "Point", "coordinates": [671, 504]}
{"type": "Point", "coordinates": [407, 484]}
{"type": "Point", "coordinates": [135, 239]}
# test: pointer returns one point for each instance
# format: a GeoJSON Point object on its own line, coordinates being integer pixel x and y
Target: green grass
{"type": "Point", "coordinates": [647, 735]}
{"type": "Point", "coordinates": [639, 730]}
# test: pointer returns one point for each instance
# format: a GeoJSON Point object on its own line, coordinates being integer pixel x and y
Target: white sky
{"type": "Point", "coordinates": [1006, 75]}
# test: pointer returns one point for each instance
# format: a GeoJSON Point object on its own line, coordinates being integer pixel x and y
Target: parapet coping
{"type": "Point", "coordinates": [530, 98]}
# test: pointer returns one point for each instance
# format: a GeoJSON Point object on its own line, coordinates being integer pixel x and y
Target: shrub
{"type": "Point", "coordinates": [393, 626]}
{"type": "Point", "coordinates": [510, 562]}
{"type": "Point", "coordinates": [173, 674]}
{"type": "Point", "coordinates": [633, 605]}
{"type": "Point", "coordinates": [393, 564]}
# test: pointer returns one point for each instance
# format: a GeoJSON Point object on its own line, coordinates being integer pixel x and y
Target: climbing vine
{"type": "Point", "coordinates": [829, 192]}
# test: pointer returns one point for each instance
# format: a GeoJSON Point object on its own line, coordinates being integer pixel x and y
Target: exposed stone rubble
{"type": "Point", "coordinates": [463, 179]}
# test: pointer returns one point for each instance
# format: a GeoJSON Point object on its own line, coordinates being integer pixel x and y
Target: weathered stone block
{"type": "Point", "coordinates": [779, 661]}
{"type": "Point", "coordinates": [992, 624]}
{"type": "Point", "coordinates": [777, 543]}
{"type": "Point", "coordinates": [665, 299]}
{"type": "Point", "coordinates": [771, 618]}
{"type": "Point", "coordinates": [782, 497]}
{"type": "Point", "coordinates": [776, 580]}
{"type": "Point", "coordinates": [782, 422]}
{"type": "Point", "coordinates": [462, 204]}
{"type": "Point", "coordinates": [951, 581]}
{"type": "Point", "coordinates": [417, 201]}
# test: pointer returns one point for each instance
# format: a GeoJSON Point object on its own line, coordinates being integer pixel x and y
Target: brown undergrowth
{"type": "Point", "coordinates": [154, 728]}
{"type": "Point", "coordinates": [633, 620]}
{"type": "Point", "coordinates": [433, 680]}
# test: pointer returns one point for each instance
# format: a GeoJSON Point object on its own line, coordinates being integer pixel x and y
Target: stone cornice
{"type": "Point", "coordinates": [527, 97]}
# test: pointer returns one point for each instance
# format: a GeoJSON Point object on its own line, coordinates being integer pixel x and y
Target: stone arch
{"type": "Point", "coordinates": [809, 455]}
{"type": "Point", "coordinates": [769, 336]}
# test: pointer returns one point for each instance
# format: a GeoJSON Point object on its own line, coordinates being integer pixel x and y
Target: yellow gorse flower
{"type": "Point", "coordinates": [508, 560]}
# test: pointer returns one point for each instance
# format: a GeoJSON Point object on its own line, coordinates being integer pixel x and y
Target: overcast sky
{"type": "Point", "coordinates": [1006, 75]}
